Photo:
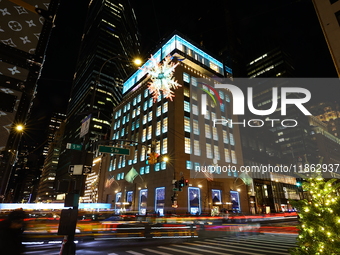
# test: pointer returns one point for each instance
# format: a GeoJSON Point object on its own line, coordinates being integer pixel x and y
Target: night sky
{"type": "Point", "coordinates": [257, 24]}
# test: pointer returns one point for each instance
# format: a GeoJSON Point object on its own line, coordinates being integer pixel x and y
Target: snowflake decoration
{"type": "Point", "coordinates": [162, 78]}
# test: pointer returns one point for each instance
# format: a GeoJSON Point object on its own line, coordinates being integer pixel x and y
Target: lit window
{"type": "Point", "coordinates": [209, 151]}
{"type": "Point", "coordinates": [150, 116]}
{"type": "Point", "coordinates": [146, 93]}
{"type": "Point", "coordinates": [142, 154]}
{"type": "Point", "coordinates": [187, 145]}
{"type": "Point", "coordinates": [232, 142]}
{"type": "Point", "coordinates": [207, 131]}
{"type": "Point", "coordinates": [149, 132]}
{"type": "Point", "coordinates": [145, 106]}
{"type": "Point", "coordinates": [165, 107]}
{"type": "Point", "coordinates": [186, 92]}
{"type": "Point", "coordinates": [144, 119]}
{"type": "Point", "coordinates": [188, 165]}
{"type": "Point", "coordinates": [163, 165]}
{"type": "Point", "coordinates": [158, 128]}
{"type": "Point", "coordinates": [227, 155]}
{"type": "Point", "coordinates": [165, 146]}
{"type": "Point", "coordinates": [196, 127]}
{"type": "Point", "coordinates": [233, 157]}
{"type": "Point", "coordinates": [150, 102]}
{"type": "Point", "coordinates": [186, 77]}
{"type": "Point", "coordinates": [197, 150]}
{"type": "Point", "coordinates": [159, 111]}
{"type": "Point", "coordinates": [141, 171]}
{"type": "Point", "coordinates": [225, 137]}
{"type": "Point", "coordinates": [147, 169]}
{"type": "Point", "coordinates": [134, 101]}
{"type": "Point", "coordinates": [165, 125]}
{"type": "Point", "coordinates": [216, 153]}
{"type": "Point", "coordinates": [186, 106]}
{"type": "Point", "coordinates": [215, 135]}
{"type": "Point", "coordinates": [134, 113]}
{"type": "Point", "coordinates": [157, 167]}
{"type": "Point", "coordinates": [144, 135]}
{"type": "Point", "coordinates": [187, 124]}
{"type": "Point", "coordinates": [195, 109]}
{"type": "Point", "coordinates": [139, 98]}
{"type": "Point", "coordinates": [194, 81]}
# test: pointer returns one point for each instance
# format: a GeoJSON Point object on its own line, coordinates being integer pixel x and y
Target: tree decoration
{"type": "Point", "coordinates": [319, 228]}
{"type": "Point", "coordinates": [162, 79]}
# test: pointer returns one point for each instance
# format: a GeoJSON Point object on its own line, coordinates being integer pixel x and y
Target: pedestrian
{"type": "Point", "coordinates": [11, 230]}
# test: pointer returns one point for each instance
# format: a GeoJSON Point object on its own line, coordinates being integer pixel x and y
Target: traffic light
{"type": "Point", "coordinates": [186, 182]}
{"type": "Point", "coordinates": [150, 159]}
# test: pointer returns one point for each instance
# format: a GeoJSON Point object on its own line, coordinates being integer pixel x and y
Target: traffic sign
{"type": "Point", "coordinates": [114, 150]}
{"type": "Point", "coordinates": [79, 169]}
{"type": "Point", "coordinates": [74, 146]}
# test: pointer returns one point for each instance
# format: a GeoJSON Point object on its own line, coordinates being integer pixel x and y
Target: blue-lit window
{"type": "Point", "coordinates": [145, 106]}
{"type": "Point", "coordinates": [147, 169]}
{"type": "Point", "coordinates": [222, 107]}
{"type": "Point", "coordinates": [227, 98]}
{"type": "Point", "coordinates": [146, 93]}
{"type": "Point", "coordinates": [143, 197]}
{"type": "Point", "coordinates": [216, 196]}
{"type": "Point", "coordinates": [141, 171]}
{"type": "Point", "coordinates": [118, 177]}
{"type": "Point", "coordinates": [134, 113]}
{"type": "Point", "coordinates": [122, 175]}
{"type": "Point", "coordinates": [159, 111]}
{"type": "Point", "coordinates": [150, 116]}
{"type": "Point", "coordinates": [194, 81]}
{"type": "Point", "coordinates": [145, 119]}
{"type": "Point", "coordinates": [163, 165]}
{"type": "Point", "coordinates": [139, 98]}
{"type": "Point", "coordinates": [188, 165]}
{"type": "Point", "coordinates": [138, 110]}
{"type": "Point", "coordinates": [122, 133]}
{"type": "Point", "coordinates": [134, 101]}
{"type": "Point", "coordinates": [186, 77]}
{"type": "Point", "coordinates": [137, 123]}
{"type": "Point", "coordinates": [160, 200]}
{"type": "Point", "coordinates": [132, 126]}
{"type": "Point", "coordinates": [127, 118]}
{"type": "Point", "coordinates": [186, 106]}
{"type": "Point", "coordinates": [232, 142]}
{"type": "Point", "coordinates": [197, 165]}
{"type": "Point", "coordinates": [221, 94]}
{"type": "Point", "coordinates": [150, 102]}
{"type": "Point", "coordinates": [128, 106]}
{"type": "Point", "coordinates": [194, 200]}
{"type": "Point", "coordinates": [124, 119]}
{"type": "Point", "coordinates": [124, 109]}
{"type": "Point", "coordinates": [157, 167]}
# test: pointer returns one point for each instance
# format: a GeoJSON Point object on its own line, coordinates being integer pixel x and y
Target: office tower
{"type": "Point", "coordinates": [46, 191]}
{"type": "Point", "coordinates": [173, 130]}
{"type": "Point", "coordinates": [329, 17]}
{"type": "Point", "coordinates": [109, 43]}
{"type": "Point", "coordinates": [23, 41]}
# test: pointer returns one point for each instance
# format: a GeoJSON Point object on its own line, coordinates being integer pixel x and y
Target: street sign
{"type": "Point", "coordinates": [79, 169]}
{"type": "Point", "coordinates": [74, 146]}
{"type": "Point", "coordinates": [85, 126]}
{"type": "Point", "coordinates": [114, 150]}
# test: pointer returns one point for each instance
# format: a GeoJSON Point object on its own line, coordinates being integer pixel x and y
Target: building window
{"type": "Point", "coordinates": [186, 92]}
{"type": "Point", "coordinates": [233, 157]}
{"type": "Point", "coordinates": [165, 146]}
{"type": "Point", "coordinates": [186, 106]}
{"type": "Point", "coordinates": [194, 198]}
{"type": "Point", "coordinates": [196, 127]}
{"type": "Point", "coordinates": [159, 111]}
{"type": "Point", "coordinates": [143, 195]}
{"type": "Point", "coordinates": [187, 145]}
{"type": "Point", "coordinates": [158, 128]}
{"type": "Point", "coordinates": [139, 98]}
{"type": "Point", "coordinates": [165, 107]}
{"type": "Point", "coordinates": [144, 135]}
{"type": "Point", "coordinates": [227, 155]}
{"type": "Point", "coordinates": [194, 81]}
{"type": "Point", "coordinates": [216, 153]}
{"type": "Point", "coordinates": [163, 165]}
{"type": "Point", "coordinates": [144, 119]}
{"type": "Point", "coordinates": [187, 124]}
{"type": "Point", "coordinates": [215, 135]}
{"type": "Point", "coordinates": [146, 93]}
{"type": "Point", "coordinates": [149, 132]}
{"type": "Point", "coordinates": [186, 77]}
{"type": "Point", "coordinates": [197, 150]}
{"type": "Point", "coordinates": [160, 201]}
{"type": "Point", "coordinates": [141, 171]}
{"type": "Point", "coordinates": [142, 154]}
{"type": "Point", "coordinates": [195, 109]}
{"type": "Point", "coordinates": [138, 110]}
{"type": "Point", "coordinates": [165, 125]}
{"type": "Point", "coordinates": [150, 116]}
{"type": "Point", "coordinates": [209, 151]}
{"type": "Point", "coordinates": [145, 106]}
{"type": "Point", "coordinates": [232, 142]}
{"type": "Point", "coordinates": [188, 165]}
{"type": "Point", "coordinates": [207, 131]}
{"type": "Point", "coordinates": [147, 169]}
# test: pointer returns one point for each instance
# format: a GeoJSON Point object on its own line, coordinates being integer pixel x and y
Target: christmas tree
{"type": "Point", "coordinates": [319, 217]}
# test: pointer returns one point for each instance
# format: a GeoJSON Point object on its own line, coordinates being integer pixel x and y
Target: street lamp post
{"type": "Point", "coordinates": [67, 225]}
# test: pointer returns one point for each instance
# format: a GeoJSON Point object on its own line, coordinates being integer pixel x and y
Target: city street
{"type": "Point", "coordinates": [257, 244]}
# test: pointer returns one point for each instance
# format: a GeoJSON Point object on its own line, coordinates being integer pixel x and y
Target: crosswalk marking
{"type": "Point", "coordinates": [254, 243]}
{"type": "Point", "coordinates": [225, 249]}
{"type": "Point", "coordinates": [157, 252]}
{"type": "Point", "coordinates": [243, 248]}
{"type": "Point", "coordinates": [135, 253]}
{"type": "Point", "coordinates": [176, 250]}
{"type": "Point", "coordinates": [112, 254]}
{"type": "Point", "coordinates": [199, 249]}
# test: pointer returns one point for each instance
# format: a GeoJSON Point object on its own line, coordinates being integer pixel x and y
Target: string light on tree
{"type": "Point", "coordinates": [162, 78]}
{"type": "Point", "coordinates": [319, 229]}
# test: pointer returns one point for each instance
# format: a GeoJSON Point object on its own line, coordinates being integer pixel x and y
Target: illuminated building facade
{"type": "Point", "coordinates": [110, 40]}
{"type": "Point", "coordinates": [329, 17]}
{"type": "Point", "coordinates": [169, 128]}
